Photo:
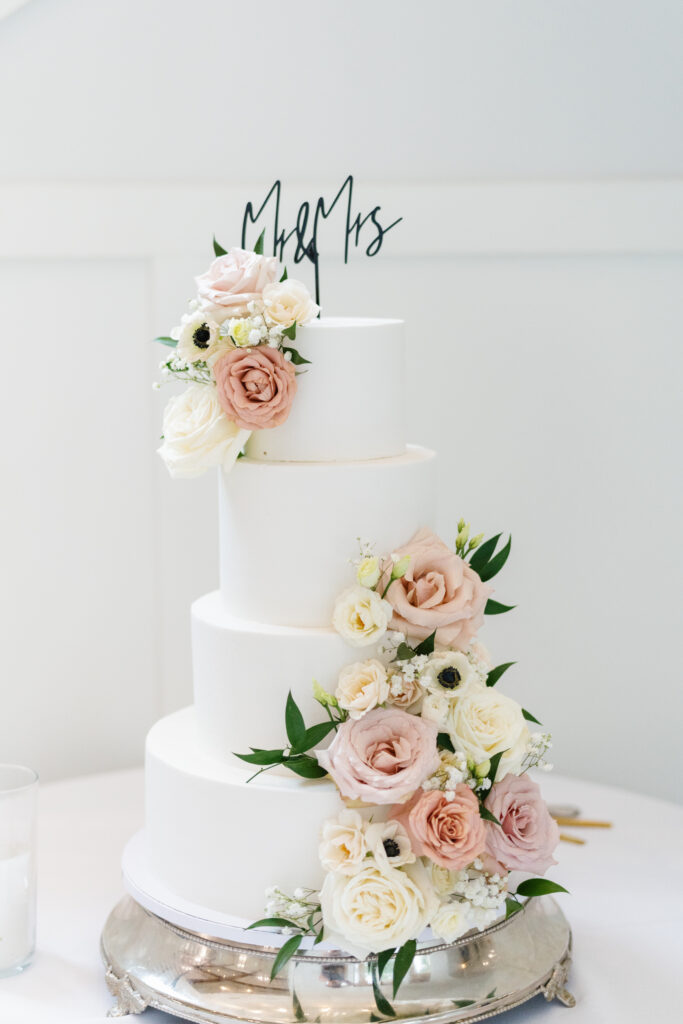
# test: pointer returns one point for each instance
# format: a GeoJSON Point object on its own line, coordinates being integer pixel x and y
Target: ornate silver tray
{"type": "Point", "coordinates": [151, 963]}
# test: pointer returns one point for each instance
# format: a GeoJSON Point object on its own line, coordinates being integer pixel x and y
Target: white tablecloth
{"type": "Point", "coordinates": [626, 907]}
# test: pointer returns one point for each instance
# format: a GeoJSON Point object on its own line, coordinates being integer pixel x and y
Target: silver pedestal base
{"type": "Point", "coordinates": [152, 963]}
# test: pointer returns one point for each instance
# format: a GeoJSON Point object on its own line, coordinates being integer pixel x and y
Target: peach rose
{"type": "Point", "coordinates": [438, 592]}
{"type": "Point", "coordinates": [255, 386]}
{"type": "Point", "coordinates": [450, 832]}
{"type": "Point", "coordinates": [527, 835]}
{"type": "Point", "coordinates": [234, 280]}
{"type": "Point", "coordinates": [382, 757]}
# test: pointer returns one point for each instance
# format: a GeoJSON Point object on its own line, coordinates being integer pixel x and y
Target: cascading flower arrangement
{"type": "Point", "coordinates": [430, 760]}
{"type": "Point", "coordinates": [233, 348]}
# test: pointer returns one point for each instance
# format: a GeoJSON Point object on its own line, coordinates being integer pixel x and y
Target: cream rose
{"type": "Point", "coordinates": [288, 302]}
{"type": "Point", "coordinates": [436, 707]}
{"type": "Point", "coordinates": [361, 616]}
{"type": "Point", "coordinates": [362, 687]}
{"type": "Point", "coordinates": [377, 909]}
{"type": "Point", "coordinates": [197, 435]}
{"type": "Point", "coordinates": [483, 722]}
{"type": "Point", "coordinates": [452, 919]}
{"type": "Point", "coordinates": [342, 843]}
{"type": "Point", "coordinates": [443, 879]}
{"type": "Point", "coordinates": [404, 692]}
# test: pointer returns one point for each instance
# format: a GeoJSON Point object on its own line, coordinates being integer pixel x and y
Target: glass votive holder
{"type": "Point", "coordinates": [18, 804]}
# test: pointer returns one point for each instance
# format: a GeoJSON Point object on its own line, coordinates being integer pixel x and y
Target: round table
{"type": "Point", "coordinates": [626, 907]}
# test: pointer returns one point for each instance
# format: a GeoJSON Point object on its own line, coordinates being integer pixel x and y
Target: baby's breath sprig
{"type": "Point", "coordinates": [178, 369]}
{"type": "Point", "coordinates": [297, 916]}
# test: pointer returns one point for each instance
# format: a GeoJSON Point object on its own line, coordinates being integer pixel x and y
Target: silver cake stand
{"type": "Point", "coordinates": [152, 963]}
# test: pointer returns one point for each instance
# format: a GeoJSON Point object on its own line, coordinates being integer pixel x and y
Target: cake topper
{"type": "Point", "coordinates": [305, 230]}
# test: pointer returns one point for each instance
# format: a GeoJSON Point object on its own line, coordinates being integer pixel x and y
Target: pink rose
{"type": "Point", "coordinates": [438, 592]}
{"type": "Point", "coordinates": [234, 280]}
{"type": "Point", "coordinates": [255, 386]}
{"type": "Point", "coordinates": [382, 757]}
{"type": "Point", "coordinates": [449, 832]}
{"type": "Point", "coordinates": [527, 835]}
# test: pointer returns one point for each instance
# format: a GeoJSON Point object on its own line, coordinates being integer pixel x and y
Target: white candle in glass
{"type": "Point", "coordinates": [18, 787]}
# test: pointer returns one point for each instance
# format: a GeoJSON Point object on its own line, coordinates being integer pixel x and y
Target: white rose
{"type": "Point", "coordinates": [452, 920]}
{"type": "Point", "coordinates": [197, 337]}
{"type": "Point", "coordinates": [287, 302]}
{"type": "Point", "coordinates": [198, 434]}
{"type": "Point", "coordinates": [362, 687]}
{"type": "Point", "coordinates": [377, 909]}
{"type": "Point", "coordinates": [436, 707]}
{"type": "Point", "coordinates": [448, 672]}
{"type": "Point", "coordinates": [483, 722]}
{"type": "Point", "coordinates": [361, 616]}
{"type": "Point", "coordinates": [389, 844]}
{"type": "Point", "coordinates": [342, 843]}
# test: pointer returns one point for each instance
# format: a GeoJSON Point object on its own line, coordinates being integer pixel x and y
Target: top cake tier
{"type": "Point", "coordinates": [350, 403]}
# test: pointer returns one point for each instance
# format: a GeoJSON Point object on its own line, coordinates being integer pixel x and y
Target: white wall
{"type": "Point", "coordinates": [544, 325]}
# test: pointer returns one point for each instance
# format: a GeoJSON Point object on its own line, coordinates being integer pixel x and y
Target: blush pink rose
{"type": "Point", "coordinates": [527, 835]}
{"type": "Point", "coordinates": [438, 592]}
{"type": "Point", "coordinates": [234, 280]}
{"type": "Point", "coordinates": [382, 757]}
{"type": "Point", "coordinates": [255, 386]}
{"type": "Point", "coordinates": [449, 832]}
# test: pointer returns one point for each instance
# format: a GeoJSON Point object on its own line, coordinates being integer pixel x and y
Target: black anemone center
{"type": "Point", "coordinates": [449, 677]}
{"type": "Point", "coordinates": [201, 337]}
{"type": "Point", "coordinates": [391, 847]}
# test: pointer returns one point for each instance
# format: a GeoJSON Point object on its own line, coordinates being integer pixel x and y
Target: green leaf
{"type": "Point", "coordinates": [319, 937]}
{"type": "Point", "coordinates": [305, 766]}
{"type": "Point", "coordinates": [381, 1002]}
{"type": "Point", "coordinates": [495, 761]}
{"type": "Point", "coordinates": [496, 608]}
{"type": "Point", "coordinates": [404, 652]}
{"type": "Point", "coordinates": [217, 248]}
{"type": "Point", "coordinates": [285, 954]}
{"type": "Point", "coordinates": [262, 757]}
{"type": "Point", "coordinates": [529, 717]}
{"type": "Point", "coordinates": [494, 565]}
{"type": "Point", "coordinates": [495, 673]}
{"type": "Point", "coordinates": [258, 248]}
{"type": "Point", "coordinates": [314, 735]}
{"type": "Point", "coordinates": [169, 342]}
{"type": "Point", "coordinates": [483, 553]}
{"type": "Point", "coordinates": [539, 887]}
{"type": "Point", "coordinates": [403, 963]}
{"type": "Point", "coordinates": [485, 813]}
{"type": "Point", "coordinates": [443, 740]}
{"type": "Point", "coordinates": [427, 645]}
{"type": "Point", "coordinates": [460, 1003]}
{"type": "Point", "coordinates": [271, 922]}
{"type": "Point", "coordinates": [383, 959]}
{"type": "Point", "coordinates": [296, 357]}
{"type": "Point", "coordinates": [290, 332]}
{"type": "Point", "coordinates": [491, 994]}
{"type": "Point", "coordinates": [294, 721]}
{"type": "Point", "coordinates": [298, 1008]}
{"type": "Point", "coordinates": [284, 275]}
{"type": "Point", "coordinates": [512, 907]}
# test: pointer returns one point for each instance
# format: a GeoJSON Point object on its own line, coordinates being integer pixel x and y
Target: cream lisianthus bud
{"type": "Point", "coordinates": [482, 769]}
{"type": "Point", "coordinates": [323, 697]}
{"type": "Point", "coordinates": [476, 541]}
{"type": "Point", "coordinates": [367, 573]}
{"type": "Point", "coordinates": [400, 568]}
{"type": "Point", "coordinates": [461, 525]}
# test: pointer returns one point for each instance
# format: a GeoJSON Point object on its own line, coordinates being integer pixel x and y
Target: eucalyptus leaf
{"type": "Point", "coordinates": [539, 887]}
{"type": "Point", "coordinates": [383, 959]}
{"type": "Point", "coordinates": [495, 673]}
{"type": "Point", "coordinates": [296, 357]}
{"type": "Point", "coordinates": [218, 248]}
{"type": "Point", "coordinates": [404, 652]}
{"type": "Point", "coordinates": [271, 922]}
{"type": "Point", "coordinates": [529, 717]}
{"type": "Point", "coordinates": [495, 564]}
{"type": "Point", "coordinates": [427, 645]}
{"type": "Point", "coordinates": [403, 962]}
{"type": "Point", "coordinates": [284, 275]}
{"type": "Point", "coordinates": [290, 332]}
{"type": "Point", "coordinates": [496, 608]}
{"type": "Point", "coordinates": [169, 342]}
{"type": "Point", "coordinates": [305, 766]}
{"type": "Point", "coordinates": [262, 757]}
{"type": "Point", "coordinates": [484, 552]}
{"type": "Point", "coordinates": [285, 954]}
{"type": "Point", "coordinates": [294, 722]}
{"type": "Point", "coordinates": [258, 248]}
{"type": "Point", "coordinates": [381, 1001]}
{"type": "Point", "coordinates": [444, 741]}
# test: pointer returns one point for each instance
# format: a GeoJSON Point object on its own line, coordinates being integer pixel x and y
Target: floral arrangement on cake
{"type": "Point", "coordinates": [233, 348]}
{"type": "Point", "coordinates": [430, 759]}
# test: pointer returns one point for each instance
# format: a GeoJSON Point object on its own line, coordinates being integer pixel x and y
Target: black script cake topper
{"type": "Point", "coordinates": [307, 226]}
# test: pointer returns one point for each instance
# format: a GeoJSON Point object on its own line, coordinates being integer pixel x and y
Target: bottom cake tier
{"type": "Point", "coordinates": [214, 838]}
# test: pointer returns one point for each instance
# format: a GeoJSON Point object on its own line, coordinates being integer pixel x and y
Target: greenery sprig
{"type": "Point", "coordinates": [530, 887]}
